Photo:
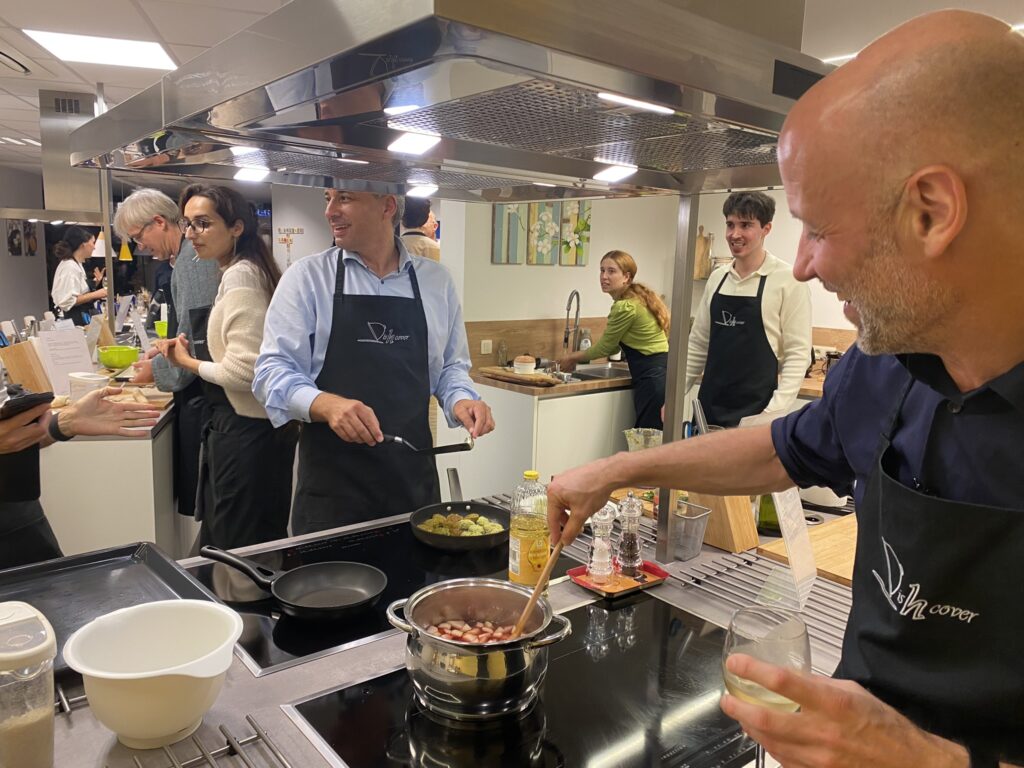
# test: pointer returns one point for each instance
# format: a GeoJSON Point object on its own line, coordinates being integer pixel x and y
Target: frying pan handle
{"type": "Point", "coordinates": [454, 486]}
{"type": "Point", "coordinates": [564, 630]}
{"type": "Point", "coordinates": [258, 573]}
{"type": "Point", "coordinates": [397, 623]}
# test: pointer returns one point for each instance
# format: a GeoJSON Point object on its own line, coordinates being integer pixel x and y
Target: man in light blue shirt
{"type": "Point", "coordinates": [356, 339]}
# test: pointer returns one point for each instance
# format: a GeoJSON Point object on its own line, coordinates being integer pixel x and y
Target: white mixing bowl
{"type": "Point", "coordinates": [152, 671]}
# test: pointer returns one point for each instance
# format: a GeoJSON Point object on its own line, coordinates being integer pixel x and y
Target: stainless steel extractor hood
{"type": "Point", "coordinates": [315, 93]}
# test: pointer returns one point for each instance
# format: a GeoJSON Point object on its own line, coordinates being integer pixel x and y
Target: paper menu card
{"type": "Point", "coordinates": [62, 352]}
{"type": "Point", "coordinates": [790, 587]}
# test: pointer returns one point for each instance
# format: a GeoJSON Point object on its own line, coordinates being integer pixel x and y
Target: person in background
{"type": "Point", "coordinates": [751, 335]}
{"type": "Point", "coordinates": [245, 484]}
{"type": "Point", "coordinates": [149, 218]}
{"type": "Point", "coordinates": [25, 534]}
{"type": "Point", "coordinates": [356, 339]}
{"type": "Point", "coordinates": [638, 323]}
{"type": "Point", "coordinates": [71, 293]}
{"type": "Point", "coordinates": [418, 229]}
{"type": "Point", "coordinates": [905, 220]}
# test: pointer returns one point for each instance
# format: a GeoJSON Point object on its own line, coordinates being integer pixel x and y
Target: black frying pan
{"type": "Point", "coordinates": [325, 591]}
{"type": "Point", "coordinates": [461, 543]}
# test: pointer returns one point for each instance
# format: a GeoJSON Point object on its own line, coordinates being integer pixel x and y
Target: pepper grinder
{"type": "Point", "coordinates": [600, 567]}
{"type": "Point", "coordinates": [630, 556]}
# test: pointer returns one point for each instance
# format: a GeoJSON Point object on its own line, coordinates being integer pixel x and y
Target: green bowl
{"type": "Point", "coordinates": [116, 358]}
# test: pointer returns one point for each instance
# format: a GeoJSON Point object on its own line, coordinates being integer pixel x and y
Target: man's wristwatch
{"type": "Point", "coordinates": [54, 430]}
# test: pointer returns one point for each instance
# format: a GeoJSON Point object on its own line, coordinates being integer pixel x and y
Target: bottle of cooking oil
{"type": "Point", "coordinates": [528, 542]}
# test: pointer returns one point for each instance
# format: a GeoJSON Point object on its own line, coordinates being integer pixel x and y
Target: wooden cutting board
{"type": "Point", "coordinates": [527, 379]}
{"type": "Point", "coordinates": [621, 493]}
{"type": "Point", "coordinates": [834, 544]}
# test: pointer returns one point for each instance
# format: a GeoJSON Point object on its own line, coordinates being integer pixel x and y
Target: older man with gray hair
{"type": "Point", "coordinates": [149, 218]}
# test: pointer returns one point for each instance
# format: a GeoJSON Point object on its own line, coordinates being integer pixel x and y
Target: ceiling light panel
{"type": "Point", "coordinates": [111, 51]}
{"type": "Point", "coordinates": [413, 143]}
{"type": "Point", "coordinates": [252, 174]}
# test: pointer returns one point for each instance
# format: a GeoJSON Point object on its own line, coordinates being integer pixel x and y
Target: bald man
{"type": "Point", "coordinates": [905, 167]}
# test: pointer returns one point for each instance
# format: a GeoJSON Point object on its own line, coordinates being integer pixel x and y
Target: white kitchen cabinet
{"type": "Point", "coordinates": [535, 432]}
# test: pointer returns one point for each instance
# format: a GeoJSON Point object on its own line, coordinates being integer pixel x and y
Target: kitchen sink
{"type": "Point", "coordinates": [600, 371]}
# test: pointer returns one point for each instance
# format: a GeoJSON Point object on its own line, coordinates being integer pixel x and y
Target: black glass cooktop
{"type": "Point", "coordinates": [274, 641]}
{"type": "Point", "coordinates": [637, 684]}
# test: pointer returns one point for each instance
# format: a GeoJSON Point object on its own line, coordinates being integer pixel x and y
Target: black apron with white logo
{"type": "Point", "coordinates": [938, 610]}
{"type": "Point", "coordinates": [648, 374]}
{"type": "Point", "coordinates": [741, 373]}
{"type": "Point", "coordinates": [377, 353]}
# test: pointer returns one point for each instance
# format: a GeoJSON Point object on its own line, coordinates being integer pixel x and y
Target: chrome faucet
{"type": "Point", "coordinates": [576, 325]}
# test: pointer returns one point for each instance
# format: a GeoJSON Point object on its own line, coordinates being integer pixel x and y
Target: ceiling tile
{"type": "Point", "coordinates": [29, 128]}
{"type": "Point", "coordinates": [105, 18]}
{"type": "Point", "coordinates": [186, 53]}
{"type": "Point", "coordinates": [196, 25]}
{"type": "Point", "coordinates": [252, 6]}
{"type": "Point", "coordinates": [130, 77]}
{"type": "Point", "coordinates": [14, 104]}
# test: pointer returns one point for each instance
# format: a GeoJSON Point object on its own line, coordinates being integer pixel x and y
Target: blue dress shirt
{"type": "Point", "coordinates": [957, 446]}
{"type": "Point", "coordinates": [298, 327]}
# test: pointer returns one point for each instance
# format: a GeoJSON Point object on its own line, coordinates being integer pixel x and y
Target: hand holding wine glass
{"type": "Point", "coordinates": [773, 635]}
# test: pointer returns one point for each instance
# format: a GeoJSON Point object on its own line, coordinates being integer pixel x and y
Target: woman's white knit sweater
{"type": "Point", "coordinates": [235, 333]}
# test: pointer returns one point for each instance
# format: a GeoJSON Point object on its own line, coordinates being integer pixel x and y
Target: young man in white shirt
{"type": "Point", "coordinates": [751, 336]}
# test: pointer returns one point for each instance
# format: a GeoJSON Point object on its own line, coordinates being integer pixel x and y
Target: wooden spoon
{"type": "Point", "coordinates": [542, 582]}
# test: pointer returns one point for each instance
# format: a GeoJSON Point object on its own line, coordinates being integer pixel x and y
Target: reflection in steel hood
{"type": "Point", "coordinates": [315, 93]}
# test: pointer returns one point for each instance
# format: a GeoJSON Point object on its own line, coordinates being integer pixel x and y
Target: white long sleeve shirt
{"type": "Point", "coordinates": [69, 282]}
{"type": "Point", "coordinates": [786, 312]}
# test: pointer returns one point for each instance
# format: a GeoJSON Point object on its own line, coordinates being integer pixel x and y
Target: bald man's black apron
{"type": "Point", "coordinates": [741, 373]}
{"type": "Point", "coordinates": [938, 610]}
{"type": "Point", "coordinates": [377, 354]}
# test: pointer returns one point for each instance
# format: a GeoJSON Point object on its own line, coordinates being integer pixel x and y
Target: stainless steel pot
{"type": "Point", "coordinates": [476, 682]}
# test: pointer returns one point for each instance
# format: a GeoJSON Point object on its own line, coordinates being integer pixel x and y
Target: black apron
{"type": "Point", "coordinates": [938, 610]}
{"type": "Point", "coordinates": [377, 353]}
{"type": "Point", "coordinates": [25, 533]}
{"type": "Point", "coordinates": [244, 483]}
{"type": "Point", "coordinates": [741, 372]}
{"type": "Point", "coordinates": [648, 373]}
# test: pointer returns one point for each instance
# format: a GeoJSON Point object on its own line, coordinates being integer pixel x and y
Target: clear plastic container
{"type": "Point", "coordinates": [27, 650]}
{"type": "Point", "coordinates": [689, 523]}
{"type": "Point", "coordinates": [528, 541]}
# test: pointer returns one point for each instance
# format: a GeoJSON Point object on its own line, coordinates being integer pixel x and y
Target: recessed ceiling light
{"type": "Point", "coordinates": [401, 110]}
{"type": "Point", "coordinates": [413, 143]}
{"type": "Point", "coordinates": [32, 221]}
{"type": "Point", "coordinates": [636, 103]}
{"type": "Point", "coordinates": [103, 50]}
{"type": "Point", "coordinates": [9, 140]}
{"type": "Point", "coordinates": [421, 190]}
{"type": "Point", "coordinates": [615, 172]}
{"type": "Point", "coordinates": [251, 174]}
{"type": "Point", "coordinates": [542, 184]}
{"type": "Point", "coordinates": [239, 151]}
{"type": "Point", "coordinates": [57, 222]}
{"type": "Point", "coordinates": [33, 142]}
{"type": "Point", "coordinates": [282, 169]}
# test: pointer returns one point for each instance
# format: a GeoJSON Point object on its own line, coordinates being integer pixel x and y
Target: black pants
{"type": "Point", "coordinates": [246, 480]}
{"type": "Point", "coordinates": [192, 414]}
{"type": "Point", "coordinates": [25, 534]}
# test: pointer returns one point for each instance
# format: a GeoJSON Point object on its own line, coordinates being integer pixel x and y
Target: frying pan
{"type": "Point", "coordinates": [325, 591]}
{"type": "Point", "coordinates": [459, 507]}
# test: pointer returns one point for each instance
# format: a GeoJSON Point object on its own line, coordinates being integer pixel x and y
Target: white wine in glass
{"type": "Point", "coordinates": [773, 635]}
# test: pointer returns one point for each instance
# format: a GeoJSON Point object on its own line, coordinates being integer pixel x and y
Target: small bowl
{"type": "Point", "coordinates": [116, 358]}
{"type": "Point", "coordinates": [152, 671]}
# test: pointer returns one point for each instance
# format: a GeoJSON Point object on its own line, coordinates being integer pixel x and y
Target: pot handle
{"type": "Point", "coordinates": [397, 623]}
{"type": "Point", "coordinates": [261, 575]}
{"type": "Point", "coordinates": [552, 637]}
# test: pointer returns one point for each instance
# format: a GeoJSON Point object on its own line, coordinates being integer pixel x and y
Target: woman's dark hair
{"type": "Point", "coordinates": [232, 207]}
{"type": "Point", "coordinates": [71, 242]}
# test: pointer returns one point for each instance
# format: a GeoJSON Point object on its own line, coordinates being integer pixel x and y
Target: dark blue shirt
{"type": "Point", "coordinates": [962, 447]}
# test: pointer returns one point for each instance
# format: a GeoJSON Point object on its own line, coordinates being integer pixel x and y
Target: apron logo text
{"type": "Point", "coordinates": [729, 320]}
{"type": "Point", "coordinates": [381, 334]}
{"type": "Point", "coordinates": [908, 603]}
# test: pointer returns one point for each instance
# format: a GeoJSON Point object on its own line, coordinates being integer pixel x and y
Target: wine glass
{"type": "Point", "coordinates": [773, 635]}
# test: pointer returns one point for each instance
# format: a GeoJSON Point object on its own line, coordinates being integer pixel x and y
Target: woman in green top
{"type": "Point", "coordinates": [638, 323]}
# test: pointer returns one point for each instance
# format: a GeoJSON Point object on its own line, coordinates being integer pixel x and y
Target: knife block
{"type": "Point", "coordinates": [24, 367]}
{"type": "Point", "coordinates": [731, 524]}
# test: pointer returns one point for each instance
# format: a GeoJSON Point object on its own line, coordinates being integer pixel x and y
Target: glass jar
{"type": "Point", "coordinates": [27, 650]}
{"type": "Point", "coordinates": [528, 540]}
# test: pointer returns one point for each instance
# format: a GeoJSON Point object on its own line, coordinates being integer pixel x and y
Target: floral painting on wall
{"type": "Point", "coordinates": [510, 233]}
{"type": "Point", "coordinates": [575, 233]}
{"type": "Point", "coordinates": [545, 230]}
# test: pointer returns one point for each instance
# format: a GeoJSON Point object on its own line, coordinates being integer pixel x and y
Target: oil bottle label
{"type": "Point", "coordinates": [527, 557]}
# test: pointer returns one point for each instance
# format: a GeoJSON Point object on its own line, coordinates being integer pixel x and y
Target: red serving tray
{"type": "Point", "coordinates": [619, 585]}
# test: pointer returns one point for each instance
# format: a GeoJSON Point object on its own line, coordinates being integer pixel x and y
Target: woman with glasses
{"type": "Point", "coordinates": [245, 483]}
{"type": "Point", "coordinates": [71, 293]}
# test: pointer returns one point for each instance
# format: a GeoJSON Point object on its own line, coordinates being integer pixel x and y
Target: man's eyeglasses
{"type": "Point", "coordinates": [135, 238]}
{"type": "Point", "coordinates": [198, 225]}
